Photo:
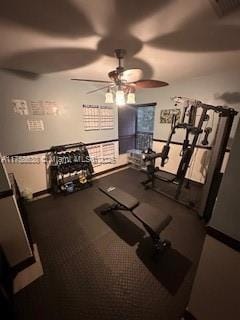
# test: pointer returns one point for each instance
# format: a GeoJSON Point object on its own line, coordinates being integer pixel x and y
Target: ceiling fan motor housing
{"type": "Point", "coordinates": [120, 53]}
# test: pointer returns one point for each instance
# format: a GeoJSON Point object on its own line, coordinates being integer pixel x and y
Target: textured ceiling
{"type": "Point", "coordinates": [169, 39]}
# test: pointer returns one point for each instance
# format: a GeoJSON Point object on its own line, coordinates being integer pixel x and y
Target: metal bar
{"type": "Point", "coordinates": [210, 189]}
{"type": "Point", "coordinates": [186, 158]}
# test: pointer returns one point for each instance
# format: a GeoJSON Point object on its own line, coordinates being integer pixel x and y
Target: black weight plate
{"type": "Point", "coordinates": [78, 166]}
{"type": "Point", "coordinates": [72, 156]}
{"type": "Point", "coordinates": [78, 156]}
{"type": "Point", "coordinates": [65, 169]}
{"type": "Point", "coordinates": [71, 168]}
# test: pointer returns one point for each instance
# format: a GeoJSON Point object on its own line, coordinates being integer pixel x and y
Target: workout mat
{"type": "Point", "coordinates": [98, 269]}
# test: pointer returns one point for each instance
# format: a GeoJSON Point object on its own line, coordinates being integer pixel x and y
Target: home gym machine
{"type": "Point", "coordinates": [69, 171]}
{"type": "Point", "coordinates": [193, 129]}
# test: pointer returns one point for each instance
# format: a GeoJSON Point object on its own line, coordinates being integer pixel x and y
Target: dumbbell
{"type": "Point", "coordinates": [207, 131]}
{"type": "Point", "coordinates": [72, 156]}
{"type": "Point", "coordinates": [63, 168]}
{"type": "Point", "coordinates": [71, 168]}
{"type": "Point", "coordinates": [78, 166]}
{"type": "Point", "coordinates": [78, 156]}
{"type": "Point", "coordinates": [67, 157]}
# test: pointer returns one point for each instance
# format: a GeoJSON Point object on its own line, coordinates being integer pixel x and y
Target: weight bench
{"type": "Point", "coordinates": [152, 219]}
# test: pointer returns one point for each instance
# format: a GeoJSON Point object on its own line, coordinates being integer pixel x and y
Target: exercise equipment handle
{"type": "Point", "coordinates": [151, 156]}
{"type": "Point", "coordinates": [164, 155]}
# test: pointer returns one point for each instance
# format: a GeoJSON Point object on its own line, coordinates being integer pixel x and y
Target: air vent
{"type": "Point", "coordinates": [224, 7]}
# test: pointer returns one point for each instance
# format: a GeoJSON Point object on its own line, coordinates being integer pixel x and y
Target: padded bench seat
{"type": "Point", "coordinates": [165, 176]}
{"type": "Point", "coordinates": [152, 216]}
{"type": "Point", "coordinates": [120, 196]}
{"type": "Point", "coordinates": [152, 219]}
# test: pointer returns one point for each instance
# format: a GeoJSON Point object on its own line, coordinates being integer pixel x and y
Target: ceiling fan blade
{"type": "Point", "coordinates": [99, 89]}
{"type": "Point", "coordinates": [150, 84]}
{"type": "Point", "coordinates": [132, 75]}
{"type": "Point", "coordinates": [88, 80]}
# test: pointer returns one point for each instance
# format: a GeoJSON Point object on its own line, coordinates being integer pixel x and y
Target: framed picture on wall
{"type": "Point", "coordinates": [166, 115]}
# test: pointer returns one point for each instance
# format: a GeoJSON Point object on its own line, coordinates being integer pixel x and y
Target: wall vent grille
{"type": "Point", "coordinates": [224, 7]}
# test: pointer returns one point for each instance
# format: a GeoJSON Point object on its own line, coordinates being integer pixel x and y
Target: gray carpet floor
{"type": "Point", "coordinates": [100, 267]}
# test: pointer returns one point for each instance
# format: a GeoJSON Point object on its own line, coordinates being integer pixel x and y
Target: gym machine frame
{"type": "Point", "coordinates": [226, 117]}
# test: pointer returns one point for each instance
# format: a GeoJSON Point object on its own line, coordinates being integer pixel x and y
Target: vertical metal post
{"type": "Point", "coordinates": [186, 158]}
{"type": "Point", "coordinates": [212, 184]}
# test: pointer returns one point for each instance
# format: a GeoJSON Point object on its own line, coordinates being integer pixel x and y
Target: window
{"type": "Point", "coordinates": [127, 116]}
{"type": "Point", "coordinates": [145, 126]}
{"type": "Point", "coordinates": [135, 127]}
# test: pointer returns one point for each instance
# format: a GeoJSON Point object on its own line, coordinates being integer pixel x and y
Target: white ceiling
{"type": "Point", "coordinates": [169, 39]}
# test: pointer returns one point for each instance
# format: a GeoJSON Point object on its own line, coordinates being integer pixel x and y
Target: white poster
{"type": "Point", "coordinates": [35, 125]}
{"type": "Point", "coordinates": [91, 117]}
{"type": "Point", "coordinates": [37, 108]}
{"type": "Point", "coordinates": [20, 107]}
{"type": "Point", "coordinates": [51, 108]}
{"type": "Point", "coordinates": [106, 117]}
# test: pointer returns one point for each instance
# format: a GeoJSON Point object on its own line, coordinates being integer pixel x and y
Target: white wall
{"type": "Point", "coordinates": [215, 293]}
{"type": "Point", "coordinates": [67, 127]}
{"type": "Point", "coordinates": [13, 236]}
{"type": "Point", "coordinates": [62, 129]}
{"type": "Point", "coordinates": [198, 165]}
{"type": "Point", "coordinates": [226, 217]}
{"type": "Point", "coordinates": [34, 177]}
{"type": "Point", "coordinates": [206, 89]}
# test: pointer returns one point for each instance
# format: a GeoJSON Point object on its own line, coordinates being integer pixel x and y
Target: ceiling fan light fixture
{"type": "Point", "coordinates": [109, 97]}
{"type": "Point", "coordinates": [131, 98]}
{"type": "Point", "coordinates": [123, 82]}
{"type": "Point", "coordinates": [120, 97]}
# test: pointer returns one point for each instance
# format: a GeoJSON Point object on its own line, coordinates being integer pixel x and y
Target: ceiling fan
{"type": "Point", "coordinates": [124, 82]}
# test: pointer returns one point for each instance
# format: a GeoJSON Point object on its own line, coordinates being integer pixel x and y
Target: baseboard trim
{"type": "Point", "coordinates": [5, 194]}
{"type": "Point", "coordinates": [95, 175]}
{"type": "Point", "coordinates": [111, 170]}
{"type": "Point", "coordinates": [224, 238]}
{"type": "Point", "coordinates": [41, 193]}
{"type": "Point", "coordinates": [23, 265]}
{"type": "Point", "coordinates": [122, 166]}
{"type": "Point", "coordinates": [29, 274]}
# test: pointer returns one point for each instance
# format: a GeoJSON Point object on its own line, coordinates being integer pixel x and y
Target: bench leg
{"type": "Point", "coordinates": [145, 182]}
{"type": "Point", "coordinates": [160, 246]}
{"type": "Point", "coordinates": [113, 207]}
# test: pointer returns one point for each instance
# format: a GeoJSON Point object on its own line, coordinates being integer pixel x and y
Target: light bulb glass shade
{"type": "Point", "coordinates": [109, 97]}
{"type": "Point", "coordinates": [131, 99]}
{"type": "Point", "coordinates": [120, 98]}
